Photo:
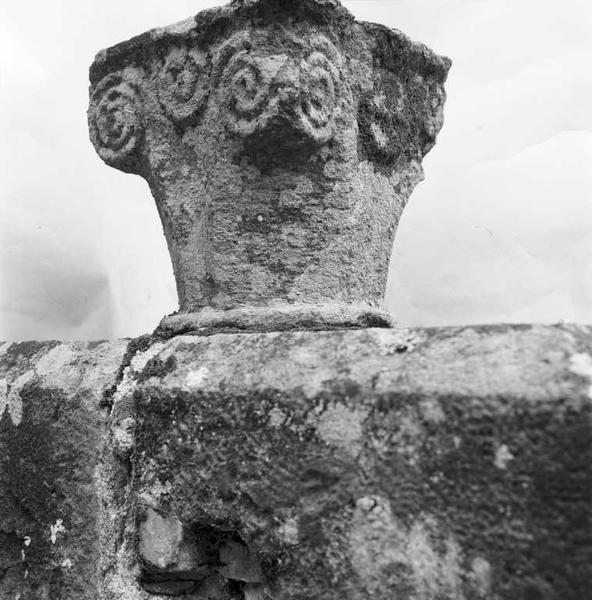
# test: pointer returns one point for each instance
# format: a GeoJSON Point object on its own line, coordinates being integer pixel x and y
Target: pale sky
{"type": "Point", "coordinates": [500, 230]}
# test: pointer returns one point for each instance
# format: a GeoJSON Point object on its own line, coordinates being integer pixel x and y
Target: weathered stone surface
{"type": "Point", "coordinates": [281, 141]}
{"type": "Point", "coordinates": [420, 465]}
{"type": "Point", "coordinates": [51, 432]}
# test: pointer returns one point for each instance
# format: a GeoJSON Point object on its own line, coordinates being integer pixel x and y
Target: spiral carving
{"type": "Point", "coordinates": [248, 85]}
{"type": "Point", "coordinates": [320, 82]}
{"type": "Point", "coordinates": [183, 83]}
{"type": "Point", "coordinates": [263, 89]}
{"type": "Point", "coordinates": [115, 119]}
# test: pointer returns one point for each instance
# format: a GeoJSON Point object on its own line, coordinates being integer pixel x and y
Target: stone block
{"type": "Point", "coordinates": [51, 433]}
{"type": "Point", "coordinates": [426, 464]}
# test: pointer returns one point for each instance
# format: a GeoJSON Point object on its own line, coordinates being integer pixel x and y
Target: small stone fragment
{"type": "Point", "coordinates": [160, 539]}
{"type": "Point", "coordinates": [366, 503]}
{"type": "Point", "coordinates": [239, 563]}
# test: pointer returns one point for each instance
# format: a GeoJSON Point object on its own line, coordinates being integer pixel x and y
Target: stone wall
{"type": "Point", "coordinates": [52, 431]}
{"type": "Point", "coordinates": [419, 464]}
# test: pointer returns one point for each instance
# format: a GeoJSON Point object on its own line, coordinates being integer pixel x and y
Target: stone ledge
{"type": "Point", "coordinates": [430, 463]}
{"type": "Point", "coordinates": [520, 361]}
{"type": "Point", "coordinates": [446, 463]}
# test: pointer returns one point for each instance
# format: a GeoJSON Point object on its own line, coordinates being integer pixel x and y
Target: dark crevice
{"type": "Point", "coordinates": [222, 565]}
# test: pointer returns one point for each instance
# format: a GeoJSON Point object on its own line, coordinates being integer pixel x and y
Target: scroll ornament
{"type": "Point", "coordinates": [115, 120]}
{"type": "Point", "coordinates": [183, 84]}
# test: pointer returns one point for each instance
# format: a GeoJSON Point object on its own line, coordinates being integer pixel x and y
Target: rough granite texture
{"type": "Point", "coordinates": [51, 433]}
{"type": "Point", "coordinates": [412, 465]}
{"type": "Point", "coordinates": [280, 140]}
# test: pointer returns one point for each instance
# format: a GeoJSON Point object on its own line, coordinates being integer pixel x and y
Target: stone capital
{"type": "Point", "coordinates": [281, 142]}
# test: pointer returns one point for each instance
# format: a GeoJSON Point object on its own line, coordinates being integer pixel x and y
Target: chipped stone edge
{"type": "Point", "coordinates": [265, 319]}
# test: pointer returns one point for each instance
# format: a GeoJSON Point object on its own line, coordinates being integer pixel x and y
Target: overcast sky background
{"type": "Point", "coordinates": [500, 230]}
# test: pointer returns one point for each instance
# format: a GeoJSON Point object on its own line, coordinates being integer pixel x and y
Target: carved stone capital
{"type": "Point", "coordinates": [281, 142]}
